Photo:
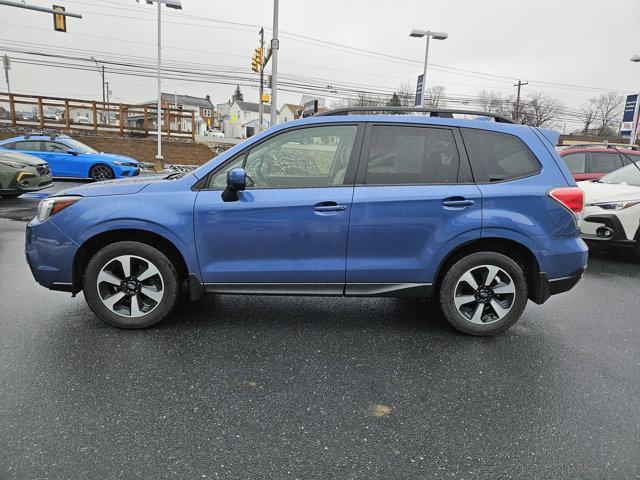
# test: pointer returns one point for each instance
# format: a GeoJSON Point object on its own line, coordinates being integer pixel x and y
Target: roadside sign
{"type": "Point", "coordinates": [419, 91]}
{"type": "Point", "coordinates": [310, 109]}
{"type": "Point", "coordinates": [59, 21]}
{"type": "Point", "coordinates": [630, 116]}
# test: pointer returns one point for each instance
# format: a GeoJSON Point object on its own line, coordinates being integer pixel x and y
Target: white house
{"type": "Point", "coordinates": [242, 121]}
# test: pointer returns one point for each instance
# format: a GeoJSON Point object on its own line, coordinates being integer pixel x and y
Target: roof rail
{"type": "Point", "coordinates": [434, 112]}
{"type": "Point", "coordinates": [602, 145]}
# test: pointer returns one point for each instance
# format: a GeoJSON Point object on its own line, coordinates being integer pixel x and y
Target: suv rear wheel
{"type": "Point", "coordinates": [483, 293]}
{"type": "Point", "coordinates": [130, 285]}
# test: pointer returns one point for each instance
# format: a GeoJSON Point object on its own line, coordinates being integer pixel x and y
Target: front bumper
{"type": "Point", "coordinates": [28, 180]}
{"type": "Point", "coordinates": [606, 229]}
{"type": "Point", "coordinates": [50, 254]}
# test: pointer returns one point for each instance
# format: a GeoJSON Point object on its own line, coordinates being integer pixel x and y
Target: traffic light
{"type": "Point", "coordinates": [256, 60]}
{"type": "Point", "coordinates": [59, 21]}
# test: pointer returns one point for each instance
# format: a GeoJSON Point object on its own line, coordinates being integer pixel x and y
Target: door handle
{"type": "Point", "coordinates": [457, 202]}
{"type": "Point", "coordinates": [328, 207]}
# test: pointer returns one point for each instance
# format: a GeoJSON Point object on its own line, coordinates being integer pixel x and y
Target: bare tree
{"type": "Point", "coordinates": [435, 96]}
{"type": "Point", "coordinates": [541, 110]}
{"type": "Point", "coordinates": [406, 93]}
{"type": "Point", "coordinates": [588, 115]}
{"type": "Point", "coordinates": [608, 113]}
{"type": "Point", "coordinates": [493, 102]}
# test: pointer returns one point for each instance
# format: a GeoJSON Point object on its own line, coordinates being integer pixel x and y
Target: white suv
{"type": "Point", "coordinates": [612, 209]}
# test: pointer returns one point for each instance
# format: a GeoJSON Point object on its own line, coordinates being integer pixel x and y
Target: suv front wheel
{"type": "Point", "coordinates": [131, 285]}
{"type": "Point", "coordinates": [483, 293]}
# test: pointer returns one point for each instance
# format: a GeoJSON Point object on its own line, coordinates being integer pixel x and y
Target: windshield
{"type": "Point", "coordinates": [79, 146]}
{"type": "Point", "coordinates": [629, 175]}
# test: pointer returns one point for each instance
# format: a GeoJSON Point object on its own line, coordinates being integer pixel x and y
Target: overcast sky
{"type": "Point", "coordinates": [577, 43]}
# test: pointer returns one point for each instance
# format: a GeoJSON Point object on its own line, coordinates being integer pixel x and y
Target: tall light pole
{"type": "Point", "coordinates": [417, 33]}
{"type": "Point", "coordinates": [159, 164]}
{"type": "Point", "coordinates": [634, 130]}
{"type": "Point", "coordinates": [275, 45]}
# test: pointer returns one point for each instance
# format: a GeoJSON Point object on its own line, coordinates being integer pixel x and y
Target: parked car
{"type": "Point", "coordinates": [590, 162]}
{"type": "Point", "coordinates": [482, 215]}
{"type": "Point", "coordinates": [612, 210]}
{"type": "Point", "coordinates": [70, 158]}
{"type": "Point", "coordinates": [20, 173]}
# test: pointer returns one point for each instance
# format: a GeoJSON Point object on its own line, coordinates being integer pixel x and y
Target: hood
{"type": "Point", "coordinates": [595, 192]}
{"type": "Point", "coordinates": [113, 156]}
{"type": "Point", "coordinates": [121, 186]}
{"type": "Point", "coordinates": [21, 157]}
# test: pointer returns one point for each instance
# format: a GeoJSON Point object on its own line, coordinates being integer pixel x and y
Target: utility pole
{"type": "Point", "coordinates": [108, 106]}
{"type": "Point", "coordinates": [275, 45]}
{"type": "Point", "coordinates": [7, 66]}
{"type": "Point", "coordinates": [520, 84]}
{"type": "Point", "coordinates": [101, 72]}
{"type": "Point", "coordinates": [261, 108]}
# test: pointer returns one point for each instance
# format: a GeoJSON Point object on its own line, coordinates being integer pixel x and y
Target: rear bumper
{"type": "Point", "coordinates": [544, 287]}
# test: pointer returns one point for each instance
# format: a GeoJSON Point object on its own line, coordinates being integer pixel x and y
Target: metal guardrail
{"type": "Point", "coordinates": [433, 112]}
{"type": "Point", "coordinates": [71, 113]}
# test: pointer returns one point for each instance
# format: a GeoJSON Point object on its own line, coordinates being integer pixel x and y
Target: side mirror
{"type": "Point", "coordinates": [72, 152]}
{"type": "Point", "coordinates": [236, 182]}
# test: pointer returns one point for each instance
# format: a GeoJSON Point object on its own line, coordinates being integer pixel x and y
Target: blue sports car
{"type": "Point", "coordinates": [70, 158]}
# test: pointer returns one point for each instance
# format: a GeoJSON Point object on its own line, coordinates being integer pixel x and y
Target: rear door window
{"type": "Point", "coordinates": [29, 145]}
{"type": "Point", "coordinates": [576, 162]}
{"type": "Point", "coordinates": [496, 156]}
{"type": "Point", "coordinates": [411, 155]}
{"type": "Point", "coordinates": [604, 162]}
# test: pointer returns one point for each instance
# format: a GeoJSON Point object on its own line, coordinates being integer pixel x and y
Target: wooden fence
{"type": "Point", "coordinates": [36, 111]}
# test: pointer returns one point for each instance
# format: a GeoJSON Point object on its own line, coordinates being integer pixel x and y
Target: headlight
{"type": "Point", "coordinates": [13, 164]}
{"type": "Point", "coordinates": [50, 206]}
{"type": "Point", "coordinates": [616, 205]}
{"type": "Point", "coordinates": [124, 164]}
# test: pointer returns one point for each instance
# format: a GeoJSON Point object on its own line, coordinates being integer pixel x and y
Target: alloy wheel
{"type": "Point", "coordinates": [484, 294]}
{"type": "Point", "coordinates": [101, 172]}
{"type": "Point", "coordinates": [130, 286]}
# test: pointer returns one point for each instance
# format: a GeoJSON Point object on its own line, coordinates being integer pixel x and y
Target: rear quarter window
{"type": "Point", "coordinates": [496, 156]}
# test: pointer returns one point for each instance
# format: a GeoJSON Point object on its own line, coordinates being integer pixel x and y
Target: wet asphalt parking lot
{"type": "Point", "coordinates": [300, 388]}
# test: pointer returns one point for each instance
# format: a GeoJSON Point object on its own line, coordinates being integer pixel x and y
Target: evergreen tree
{"type": "Point", "coordinates": [394, 101]}
{"type": "Point", "coordinates": [237, 95]}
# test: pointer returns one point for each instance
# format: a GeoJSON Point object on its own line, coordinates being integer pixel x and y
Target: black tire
{"type": "Point", "coordinates": [475, 263]}
{"type": "Point", "coordinates": [168, 278]}
{"type": "Point", "coordinates": [10, 195]}
{"type": "Point", "coordinates": [101, 172]}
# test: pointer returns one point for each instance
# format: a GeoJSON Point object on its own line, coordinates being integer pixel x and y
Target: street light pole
{"type": "Point", "coordinates": [424, 75]}
{"type": "Point", "coordinates": [159, 164]}
{"type": "Point", "coordinates": [275, 45]}
{"type": "Point", "coordinates": [634, 129]}
{"type": "Point", "coordinates": [417, 33]}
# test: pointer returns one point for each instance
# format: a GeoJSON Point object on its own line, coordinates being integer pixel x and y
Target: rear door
{"type": "Point", "coordinates": [413, 197]}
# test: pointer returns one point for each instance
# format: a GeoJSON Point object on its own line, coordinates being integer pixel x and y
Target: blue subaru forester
{"type": "Point", "coordinates": [481, 214]}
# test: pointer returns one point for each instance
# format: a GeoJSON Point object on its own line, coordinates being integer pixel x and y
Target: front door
{"type": "Point", "coordinates": [413, 200]}
{"type": "Point", "coordinates": [62, 163]}
{"type": "Point", "coordinates": [287, 233]}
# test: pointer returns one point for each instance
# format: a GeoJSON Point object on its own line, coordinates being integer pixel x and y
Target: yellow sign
{"type": "Point", "coordinates": [234, 118]}
{"type": "Point", "coordinates": [59, 21]}
{"type": "Point", "coordinates": [266, 98]}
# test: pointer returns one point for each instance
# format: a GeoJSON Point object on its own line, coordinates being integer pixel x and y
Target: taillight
{"type": "Point", "coordinates": [571, 198]}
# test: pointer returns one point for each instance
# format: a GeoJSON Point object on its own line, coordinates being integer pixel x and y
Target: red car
{"type": "Point", "coordinates": [590, 162]}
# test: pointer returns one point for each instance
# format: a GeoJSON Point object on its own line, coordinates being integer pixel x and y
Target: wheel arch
{"type": "Point", "coordinates": [511, 248]}
{"type": "Point", "coordinates": [93, 244]}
